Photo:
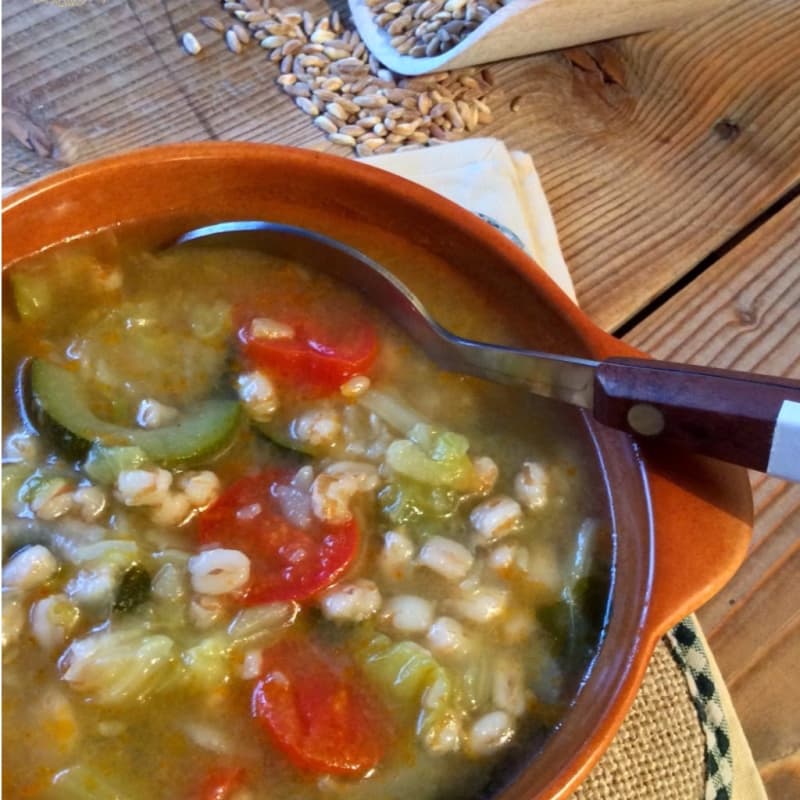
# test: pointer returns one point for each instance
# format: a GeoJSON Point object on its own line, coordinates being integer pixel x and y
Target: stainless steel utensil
{"type": "Point", "coordinates": [747, 419]}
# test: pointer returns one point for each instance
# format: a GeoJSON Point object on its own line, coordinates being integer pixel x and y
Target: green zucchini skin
{"type": "Point", "coordinates": [63, 399]}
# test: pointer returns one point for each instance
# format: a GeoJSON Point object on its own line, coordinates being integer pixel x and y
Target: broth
{"type": "Point", "coordinates": [256, 545]}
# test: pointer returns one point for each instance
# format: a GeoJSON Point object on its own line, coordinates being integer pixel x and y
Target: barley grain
{"type": "Point", "coordinates": [352, 130]}
{"type": "Point", "coordinates": [212, 23]}
{"type": "Point", "coordinates": [190, 44]}
{"type": "Point", "coordinates": [304, 104]}
{"type": "Point", "coordinates": [297, 89]}
{"type": "Point", "coordinates": [329, 73]}
{"type": "Point", "coordinates": [343, 139]}
{"type": "Point", "coordinates": [232, 41]}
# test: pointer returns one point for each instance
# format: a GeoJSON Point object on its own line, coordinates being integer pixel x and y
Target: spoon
{"type": "Point", "coordinates": [746, 419]}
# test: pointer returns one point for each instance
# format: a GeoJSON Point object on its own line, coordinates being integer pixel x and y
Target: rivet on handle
{"type": "Point", "coordinates": [645, 419]}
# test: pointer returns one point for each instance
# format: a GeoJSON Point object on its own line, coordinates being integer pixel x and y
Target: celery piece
{"type": "Point", "coordinates": [406, 501]}
{"type": "Point", "coordinates": [437, 458]}
{"type": "Point", "coordinates": [81, 782]}
{"type": "Point", "coordinates": [413, 676]}
{"type": "Point", "coordinates": [405, 668]}
{"type": "Point", "coordinates": [103, 463]}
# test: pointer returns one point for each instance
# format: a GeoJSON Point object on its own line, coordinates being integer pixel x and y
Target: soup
{"type": "Point", "coordinates": [256, 545]}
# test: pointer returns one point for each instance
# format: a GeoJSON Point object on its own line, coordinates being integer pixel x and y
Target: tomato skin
{"type": "Point", "coordinates": [220, 784]}
{"type": "Point", "coordinates": [286, 562]}
{"type": "Point", "coordinates": [317, 709]}
{"type": "Point", "coordinates": [320, 356]}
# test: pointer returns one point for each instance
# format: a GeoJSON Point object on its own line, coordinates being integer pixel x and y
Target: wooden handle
{"type": "Point", "coordinates": [732, 416]}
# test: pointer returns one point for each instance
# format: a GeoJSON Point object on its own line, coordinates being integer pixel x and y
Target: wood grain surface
{"type": "Point", "coordinates": [744, 313]}
{"type": "Point", "coordinates": [654, 149]}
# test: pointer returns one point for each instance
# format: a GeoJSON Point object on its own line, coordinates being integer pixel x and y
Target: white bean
{"type": "Point", "coordinates": [495, 518]}
{"type": "Point", "coordinates": [29, 567]}
{"type": "Point", "coordinates": [351, 602]}
{"type": "Point", "coordinates": [320, 428]}
{"type": "Point", "coordinates": [489, 733]}
{"type": "Point", "coordinates": [258, 394]}
{"type": "Point", "coordinates": [446, 637]}
{"type": "Point", "coordinates": [446, 557]}
{"type": "Point", "coordinates": [408, 613]}
{"type": "Point", "coordinates": [152, 414]}
{"type": "Point", "coordinates": [202, 488]}
{"type": "Point", "coordinates": [531, 485]}
{"type": "Point", "coordinates": [219, 571]}
{"type": "Point", "coordinates": [508, 686]}
{"type": "Point", "coordinates": [395, 560]}
{"type": "Point", "coordinates": [53, 618]}
{"type": "Point", "coordinates": [143, 487]}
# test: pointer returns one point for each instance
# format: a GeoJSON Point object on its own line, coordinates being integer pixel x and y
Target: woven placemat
{"type": "Point", "coordinates": [659, 752]}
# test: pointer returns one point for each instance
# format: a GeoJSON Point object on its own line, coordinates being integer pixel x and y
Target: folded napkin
{"type": "Point", "coordinates": [682, 738]}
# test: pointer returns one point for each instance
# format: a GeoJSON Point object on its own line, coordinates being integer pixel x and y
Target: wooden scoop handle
{"type": "Point", "coordinates": [746, 419]}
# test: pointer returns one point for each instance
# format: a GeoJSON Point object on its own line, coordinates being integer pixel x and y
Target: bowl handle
{"type": "Point", "coordinates": [702, 517]}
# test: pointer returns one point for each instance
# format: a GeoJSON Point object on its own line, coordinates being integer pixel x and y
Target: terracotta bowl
{"type": "Point", "coordinates": [682, 525]}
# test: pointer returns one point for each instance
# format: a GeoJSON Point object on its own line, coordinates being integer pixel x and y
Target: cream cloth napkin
{"type": "Point", "coordinates": [482, 175]}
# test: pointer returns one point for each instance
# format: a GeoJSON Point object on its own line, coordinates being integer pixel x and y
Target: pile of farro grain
{"type": "Point", "coordinates": [425, 28]}
{"type": "Point", "coordinates": [328, 71]}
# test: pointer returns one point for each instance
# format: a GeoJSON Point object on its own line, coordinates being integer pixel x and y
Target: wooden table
{"type": "Point", "coordinates": [672, 164]}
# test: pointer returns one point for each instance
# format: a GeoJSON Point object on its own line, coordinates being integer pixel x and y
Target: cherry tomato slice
{"type": "Point", "coordinates": [317, 709]}
{"type": "Point", "coordinates": [322, 354]}
{"type": "Point", "coordinates": [286, 562]}
{"type": "Point", "coordinates": [220, 784]}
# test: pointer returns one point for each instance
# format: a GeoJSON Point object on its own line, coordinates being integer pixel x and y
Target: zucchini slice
{"type": "Point", "coordinates": [198, 434]}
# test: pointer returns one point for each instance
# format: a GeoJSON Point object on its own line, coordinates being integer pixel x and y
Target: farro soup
{"type": "Point", "coordinates": [255, 545]}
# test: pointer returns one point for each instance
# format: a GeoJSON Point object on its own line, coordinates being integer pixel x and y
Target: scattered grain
{"type": "Point", "coordinates": [352, 97]}
{"type": "Point", "coordinates": [190, 44]}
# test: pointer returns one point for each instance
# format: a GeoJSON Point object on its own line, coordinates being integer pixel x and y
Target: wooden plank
{"type": "Point", "coordinates": [744, 313]}
{"type": "Point", "coordinates": [653, 149]}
